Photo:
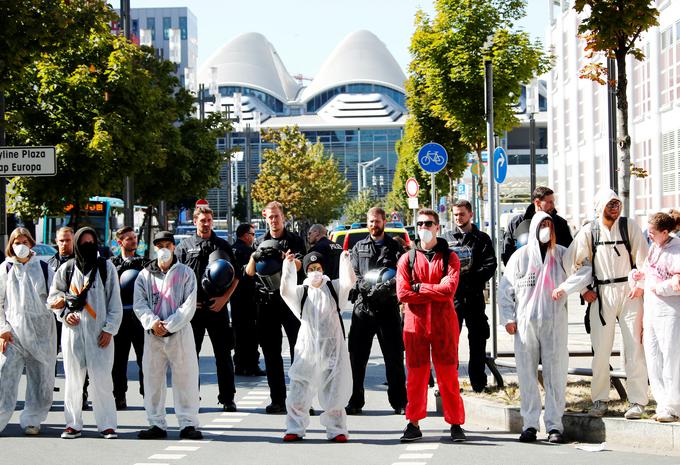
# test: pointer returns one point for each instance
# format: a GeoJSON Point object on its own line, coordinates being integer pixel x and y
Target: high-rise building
{"type": "Point", "coordinates": [578, 118]}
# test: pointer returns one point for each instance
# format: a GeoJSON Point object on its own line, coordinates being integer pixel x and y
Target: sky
{"type": "Point", "coordinates": [305, 32]}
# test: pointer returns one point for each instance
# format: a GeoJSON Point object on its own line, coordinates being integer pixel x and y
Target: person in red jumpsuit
{"type": "Point", "coordinates": [430, 326]}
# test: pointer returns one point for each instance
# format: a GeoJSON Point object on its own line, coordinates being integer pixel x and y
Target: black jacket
{"type": "Point", "coordinates": [134, 263]}
{"type": "Point", "coordinates": [366, 255]}
{"type": "Point", "coordinates": [246, 286]}
{"type": "Point", "coordinates": [289, 241]}
{"type": "Point", "coordinates": [473, 281]}
{"type": "Point", "coordinates": [57, 260]}
{"type": "Point", "coordinates": [194, 252]}
{"type": "Point", "coordinates": [331, 255]}
{"type": "Point", "coordinates": [562, 231]}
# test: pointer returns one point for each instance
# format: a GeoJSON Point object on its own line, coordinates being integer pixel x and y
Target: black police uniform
{"type": "Point", "coordinates": [469, 299]}
{"type": "Point", "coordinates": [55, 262]}
{"type": "Point", "coordinates": [243, 316]}
{"type": "Point", "coordinates": [376, 315]}
{"type": "Point", "coordinates": [331, 256]}
{"type": "Point", "coordinates": [194, 252]}
{"type": "Point", "coordinates": [272, 313]}
{"type": "Point", "coordinates": [130, 333]}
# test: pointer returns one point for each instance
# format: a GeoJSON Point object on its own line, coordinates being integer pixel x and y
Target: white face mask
{"type": "Point", "coordinates": [425, 236]}
{"type": "Point", "coordinates": [21, 251]}
{"type": "Point", "coordinates": [164, 255]}
{"type": "Point", "coordinates": [544, 235]}
{"type": "Point", "coordinates": [315, 277]}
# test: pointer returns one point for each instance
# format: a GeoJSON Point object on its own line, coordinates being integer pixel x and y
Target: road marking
{"type": "Point", "coordinates": [167, 456]}
{"type": "Point", "coordinates": [422, 447]}
{"type": "Point", "coordinates": [218, 426]}
{"type": "Point", "coordinates": [409, 463]}
{"type": "Point", "coordinates": [250, 402]}
{"type": "Point", "coordinates": [153, 463]}
{"type": "Point", "coordinates": [195, 441]}
{"type": "Point", "coordinates": [259, 391]}
{"type": "Point", "coordinates": [235, 414]}
{"type": "Point", "coordinates": [227, 420]}
{"type": "Point", "coordinates": [259, 398]}
{"type": "Point", "coordinates": [182, 448]}
{"type": "Point", "coordinates": [415, 456]}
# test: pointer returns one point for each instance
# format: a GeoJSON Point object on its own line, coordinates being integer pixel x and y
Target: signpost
{"type": "Point", "coordinates": [432, 158]}
{"type": "Point", "coordinates": [412, 189]}
{"type": "Point", "coordinates": [201, 203]}
{"type": "Point", "coordinates": [500, 163]}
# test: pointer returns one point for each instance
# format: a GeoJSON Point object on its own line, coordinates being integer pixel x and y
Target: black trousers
{"type": "Point", "coordinates": [272, 315]}
{"type": "Point", "coordinates": [222, 340]}
{"type": "Point", "coordinates": [244, 321]}
{"type": "Point", "coordinates": [386, 324]}
{"type": "Point", "coordinates": [130, 333]}
{"type": "Point", "coordinates": [471, 311]}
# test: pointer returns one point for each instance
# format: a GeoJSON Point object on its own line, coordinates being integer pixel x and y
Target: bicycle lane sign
{"type": "Point", "coordinates": [432, 157]}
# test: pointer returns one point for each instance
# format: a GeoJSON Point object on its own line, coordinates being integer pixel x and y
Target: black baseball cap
{"type": "Point", "coordinates": [163, 236]}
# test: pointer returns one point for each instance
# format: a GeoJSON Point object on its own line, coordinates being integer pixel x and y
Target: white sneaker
{"type": "Point", "coordinates": [665, 417]}
{"type": "Point", "coordinates": [598, 409]}
{"type": "Point", "coordinates": [32, 430]}
{"type": "Point", "coordinates": [634, 412]}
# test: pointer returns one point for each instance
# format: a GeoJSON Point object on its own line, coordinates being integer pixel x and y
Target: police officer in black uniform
{"type": "Point", "coordinates": [272, 311]}
{"type": "Point", "coordinates": [131, 332]}
{"type": "Point", "coordinates": [376, 311]}
{"type": "Point", "coordinates": [211, 313]}
{"type": "Point", "coordinates": [319, 242]}
{"type": "Point", "coordinates": [469, 299]}
{"type": "Point", "coordinates": [246, 355]}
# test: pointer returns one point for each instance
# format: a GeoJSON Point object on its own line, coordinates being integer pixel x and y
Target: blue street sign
{"type": "Point", "coordinates": [432, 157]}
{"type": "Point", "coordinates": [500, 165]}
{"type": "Point", "coordinates": [462, 190]}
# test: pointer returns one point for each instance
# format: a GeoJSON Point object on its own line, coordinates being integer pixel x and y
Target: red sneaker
{"type": "Point", "coordinates": [340, 438]}
{"type": "Point", "coordinates": [292, 438]}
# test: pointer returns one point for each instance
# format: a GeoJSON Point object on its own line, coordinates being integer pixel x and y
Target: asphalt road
{"type": "Point", "coordinates": [249, 436]}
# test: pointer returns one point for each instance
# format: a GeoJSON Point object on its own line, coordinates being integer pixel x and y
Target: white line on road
{"type": "Point", "coordinates": [415, 456]}
{"type": "Point", "coordinates": [259, 391]}
{"type": "Point", "coordinates": [250, 402]}
{"type": "Point", "coordinates": [422, 447]}
{"type": "Point", "coordinates": [153, 463]}
{"type": "Point", "coordinates": [167, 456]}
{"type": "Point", "coordinates": [194, 441]}
{"type": "Point", "coordinates": [217, 426]}
{"type": "Point", "coordinates": [227, 420]}
{"type": "Point", "coordinates": [235, 414]}
{"type": "Point", "coordinates": [409, 463]}
{"type": "Point", "coordinates": [260, 398]}
{"type": "Point", "coordinates": [182, 448]}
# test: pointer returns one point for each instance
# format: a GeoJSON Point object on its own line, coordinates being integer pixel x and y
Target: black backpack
{"type": "Point", "coordinates": [412, 260]}
{"type": "Point", "coordinates": [335, 297]}
{"type": "Point", "coordinates": [101, 269]}
{"type": "Point", "coordinates": [43, 265]}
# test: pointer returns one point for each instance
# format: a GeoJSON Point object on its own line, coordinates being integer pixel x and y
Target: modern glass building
{"type": "Point", "coordinates": [354, 106]}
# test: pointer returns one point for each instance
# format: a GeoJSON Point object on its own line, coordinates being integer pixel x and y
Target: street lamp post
{"type": "Point", "coordinates": [532, 100]}
{"type": "Point", "coordinates": [611, 110]}
{"type": "Point", "coordinates": [129, 191]}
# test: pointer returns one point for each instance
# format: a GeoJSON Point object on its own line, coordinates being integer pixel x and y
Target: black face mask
{"type": "Point", "coordinates": [89, 251]}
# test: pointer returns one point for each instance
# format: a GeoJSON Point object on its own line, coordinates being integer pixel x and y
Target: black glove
{"type": "Point", "coordinates": [257, 255]}
{"type": "Point", "coordinates": [415, 287]}
{"type": "Point", "coordinates": [75, 303]}
{"type": "Point", "coordinates": [364, 286]}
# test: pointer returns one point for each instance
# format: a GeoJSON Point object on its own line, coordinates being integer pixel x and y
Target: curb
{"type": "Point", "coordinates": [647, 435]}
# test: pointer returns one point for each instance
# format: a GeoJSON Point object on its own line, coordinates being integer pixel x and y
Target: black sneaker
{"type": "Point", "coordinates": [528, 435]}
{"type": "Point", "coordinates": [411, 433]}
{"type": "Point", "coordinates": [229, 406]}
{"type": "Point", "coordinates": [457, 434]}
{"type": "Point", "coordinates": [275, 408]}
{"type": "Point", "coordinates": [555, 437]}
{"type": "Point", "coordinates": [121, 403]}
{"type": "Point", "coordinates": [86, 404]}
{"type": "Point", "coordinates": [353, 410]}
{"type": "Point", "coordinates": [190, 432]}
{"type": "Point", "coordinates": [153, 433]}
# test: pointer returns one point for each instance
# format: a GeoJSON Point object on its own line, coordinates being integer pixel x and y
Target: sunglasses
{"type": "Point", "coordinates": [427, 224]}
{"type": "Point", "coordinates": [613, 205]}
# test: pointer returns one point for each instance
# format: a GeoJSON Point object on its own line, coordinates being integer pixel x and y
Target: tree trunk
{"type": "Point", "coordinates": [480, 190]}
{"type": "Point", "coordinates": [623, 137]}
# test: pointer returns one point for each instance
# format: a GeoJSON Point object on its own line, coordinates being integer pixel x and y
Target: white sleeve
{"type": "Point", "coordinates": [58, 289]}
{"type": "Point", "coordinates": [291, 293]}
{"type": "Point", "coordinates": [506, 292]}
{"type": "Point", "coordinates": [4, 326]}
{"type": "Point", "coordinates": [185, 312]}
{"type": "Point", "coordinates": [638, 245]}
{"type": "Point", "coordinates": [114, 307]}
{"type": "Point", "coordinates": [142, 301]}
{"type": "Point", "coordinates": [580, 278]}
{"type": "Point", "coordinates": [345, 281]}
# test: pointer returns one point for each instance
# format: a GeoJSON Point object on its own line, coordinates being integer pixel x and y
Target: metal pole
{"type": "Point", "coordinates": [488, 90]}
{"type": "Point", "coordinates": [433, 194]}
{"type": "Point", "coordinates": [246, 157]}
{"type": "Point", "coordinates": [227, 153]}
{"type": "Point", "coordinates": [128, 194]}
{"type": "Point", "coordinates": [611, 110]}
{"type": "Point", "coordinates": [532, 151]}
{"type": "Point", "coordinates": [3, 181]}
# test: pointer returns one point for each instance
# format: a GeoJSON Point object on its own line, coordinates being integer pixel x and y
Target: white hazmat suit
{"type": "Point", "coordinates": [321, 357]}
{"type": "Point", "coordinates": [526, 299]}
{"type": "Point", "coordinates": [169, 297]}
{"type": "Point", "coordinates": [611, 263]}
{"type": "Point", "coordinates": [661, 323]}
{"type": "Point", "coordinates": [24, 312]}
{"type": "Point", "coordinates": [80, 348]}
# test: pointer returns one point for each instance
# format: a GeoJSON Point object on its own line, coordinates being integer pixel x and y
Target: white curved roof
{"type": "Point", "coordinates": [250, 60]}
{"type": "Point", "coordinates": [360, 58]}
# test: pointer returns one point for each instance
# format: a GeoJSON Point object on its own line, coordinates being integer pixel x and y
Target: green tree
{"type": "Point", "coordinates": [446, 74]}
{"type": "Point", "coordinates": [356, 209]}
{"type": "Point", "coordinates": [301, 176]}
{"type": "Point", "coordinates": [612, 28]}
{"type": "Point", "coordinates": [240, 211]}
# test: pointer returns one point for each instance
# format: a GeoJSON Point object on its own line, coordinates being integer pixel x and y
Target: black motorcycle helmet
{"type": "Point", "coordinates": [127, 286]}
{"type": "Point", "coordinates": [218, 276]}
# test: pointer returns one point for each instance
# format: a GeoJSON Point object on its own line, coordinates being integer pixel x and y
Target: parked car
{"type": "Point", "coordinates": [353, 236]}
{"type": "Point", "coordinates": [43, 251]}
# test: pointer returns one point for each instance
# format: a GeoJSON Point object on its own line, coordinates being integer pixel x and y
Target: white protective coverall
{"type": "Point", "coordinates": [169, 297]}
{"type": "Point", "coordinates": [321, 357]}
{"type": "Point", "coordinates": [80, 348]}
{"type": "Point", "coordinates": [661, 323]}
{"type": "Point", "coordinates": [24, 312]}
{"type": "Point", "coordinates": [612, 262]}
{"type": "Point", "coordinates": [526, 299]}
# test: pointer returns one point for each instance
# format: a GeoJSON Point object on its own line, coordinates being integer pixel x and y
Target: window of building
{"type": "Point", "coordinates": [598, 97]}
{"type": "Point", "coordinates": [184, 30]}
{"type": "Point", "coordinates": [666, 68]}
{"type": "Point", "coordinates": [565, 55]}
{"type": "Point", "coordinates": [272, 102]}
{"type": "Point", "coordinates": [151, 25]}
{"type": "Point", "coordinates": [580, 115]}
{"type": "Point", "coordinates": [135, 27]}
{"type": "Point", "coordinates": [320, 100]}
{"type": "Point", "coordinates": [167, 25]}
{"type": "Point", "coordinates": [566, 125]}
{"type": "Point", "coordinates": [669, 161]}
{"type": "Point", "coordinates": [641, 86]}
